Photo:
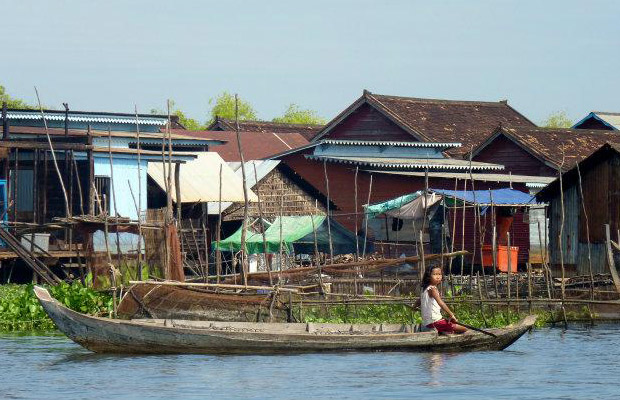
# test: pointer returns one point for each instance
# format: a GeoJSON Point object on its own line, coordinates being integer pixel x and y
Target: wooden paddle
{"type": "Point", "coordinates": [473, 328]}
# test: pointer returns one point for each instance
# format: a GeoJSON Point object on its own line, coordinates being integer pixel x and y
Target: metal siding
{"type": "Point", "coordinates": [125, 174]}
{"type": "Point", "coordinates": [25, 193]}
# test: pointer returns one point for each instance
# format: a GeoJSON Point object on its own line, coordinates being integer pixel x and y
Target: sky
{"type": "Point", "coordinates": [542, 56]}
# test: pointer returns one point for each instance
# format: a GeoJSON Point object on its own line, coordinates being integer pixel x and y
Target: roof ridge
{"type": "Point", "coordinates": [428, 100]}
{"type": "Point", "coordinates": [256, 121]}
{"type": "Point", "coordinates": [606, 112]}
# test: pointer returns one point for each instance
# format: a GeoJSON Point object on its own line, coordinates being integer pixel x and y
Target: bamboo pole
{"type": "Point", "coordinates": [544, 262]}
{"type": "Point", "coordinates": [366, 218]}
{"type": "Point", "coordinates": [218, 253]}
{"type": "Point", "coordinates": [463, 228]}
{"type": "Point", "coordinates": [509, 264]}
{"type": "Point", "coordinates": [113, 193]}
{"type": "Point", "coordinates": [561, 233]}
{"type": "Point", "coordinates": [49, 142]}
{"type": "Point", "coordinates": [329, 229]}
{"type": "Point", "coordinates": [357, 242]}
{"type": "Point", "coordinates": [139, 202]}
{"type": "Point", "coordinates": [281, 222]}
{"type": "Point", "coordinates": [494, 243]}
{"type": "Point", "coordinates": [585, 214]}
{"type": "Point", "coordinates": [260, 215]}
{"type": "Point", "coordinates": [245, 196]}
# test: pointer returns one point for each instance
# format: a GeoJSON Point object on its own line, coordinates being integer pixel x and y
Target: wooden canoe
{"type": "Point", "coordinates": [165, 336]}
{"type": "Point", "coordinates": [151, 300]}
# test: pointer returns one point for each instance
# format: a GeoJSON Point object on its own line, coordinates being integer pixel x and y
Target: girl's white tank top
{"type": "Point", "coordinates": [431, 312]}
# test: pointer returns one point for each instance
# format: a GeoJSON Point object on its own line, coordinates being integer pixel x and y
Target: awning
{"type": "Point", "coordinates": [497, 197]}
{"type": "Point", "coordinates": [297, 233]}
{"type": "Point", "coordinates": [200, 180]}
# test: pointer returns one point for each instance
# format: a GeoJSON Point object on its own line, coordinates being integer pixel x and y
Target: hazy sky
{"type": "Point", "coordinates": [542, 56]}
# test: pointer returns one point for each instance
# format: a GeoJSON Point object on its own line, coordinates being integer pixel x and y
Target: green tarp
{"type": "Point", "coordinates": [392, 204]}
{"type": "Point", "coordinates": [298, 235]}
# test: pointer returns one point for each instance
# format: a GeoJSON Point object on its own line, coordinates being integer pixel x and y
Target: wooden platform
{"type": "Point", "coordinates": [10, 255]}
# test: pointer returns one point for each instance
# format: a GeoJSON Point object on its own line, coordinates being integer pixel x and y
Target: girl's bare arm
{"type": "Point", "coordinates": [434, 293]}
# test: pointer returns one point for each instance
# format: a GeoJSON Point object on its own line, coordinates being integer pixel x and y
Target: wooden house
{"type": "Point", "coordinates": [102, 170]}
{"type": "Point", "coordinates": [397, 141]}
{"type": "Point", "coordinates": [608, 121]}
{"type": "Point", "coordinates": [591, 198]}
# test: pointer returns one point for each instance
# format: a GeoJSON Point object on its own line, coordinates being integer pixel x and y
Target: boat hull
{"type": "Point", "coordinates": [166, 336]}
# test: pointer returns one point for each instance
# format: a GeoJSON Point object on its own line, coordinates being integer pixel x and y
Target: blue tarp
{"type": "Point", "coordinates": [500, 197]}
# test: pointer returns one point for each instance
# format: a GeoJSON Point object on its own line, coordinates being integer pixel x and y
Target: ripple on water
{"type": "Point", "coordinates": [581, 362]}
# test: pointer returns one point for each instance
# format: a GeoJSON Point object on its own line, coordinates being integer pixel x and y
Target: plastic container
{"type": "Point", "coordinates": [39, 239]}
{"type": "Point", "coordinates": [502, 257]}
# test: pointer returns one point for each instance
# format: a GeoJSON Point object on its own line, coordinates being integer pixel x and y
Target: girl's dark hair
{"type": "Point", "coordinates": [426, 279]}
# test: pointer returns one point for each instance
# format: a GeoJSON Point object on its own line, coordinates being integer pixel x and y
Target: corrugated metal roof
{"type": "Point", "coordinates": [200, 180]}
{"type": "Point", "coordinates": [86, 118]}
{"type": "Point", "coordinates": [388, 143]}
{"type": "Point", "coordinates": [263, 167]}
{"type": "Point", "coordinates": [611, 118]}
{"type": "Point", "coordinates": [409, 163]}
{"type": "Point", "coordinates": [533, 181]}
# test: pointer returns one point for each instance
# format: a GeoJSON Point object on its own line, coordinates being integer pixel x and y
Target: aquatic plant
{"type": "Point", "coordinates": [20, 310]}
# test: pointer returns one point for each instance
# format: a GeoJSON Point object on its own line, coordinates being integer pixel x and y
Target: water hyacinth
{"type": "Point", "coordinates": [20, 310]}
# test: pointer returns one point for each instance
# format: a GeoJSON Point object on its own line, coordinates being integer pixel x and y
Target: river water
{"type": "Point", "coordinates": [578, 363]}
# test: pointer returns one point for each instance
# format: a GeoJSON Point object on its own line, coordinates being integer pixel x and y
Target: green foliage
{"type": "Point", "coordinates": [224, 107]}
{"type": "Point", "coordinates": [296, 115]}
{"type": "Point", "coordinates": [20, 310]}
{"type": "Point", "coordinates": [11, 101]}
{"type": "Point", "coordinates": [363, 314]}
{"type": "Point", "coordinates": [558, 119]}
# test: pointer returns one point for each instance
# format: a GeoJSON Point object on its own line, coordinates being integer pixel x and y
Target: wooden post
{"type": "Point", "coordinates": [543, 256]}
{"type": "Point", "coordinates": [79, 184]}
{"type": "Point", "coordinates": [494, 243]}
{"type": "Point", "coordinates": [260, 215]}
{"type": "Point", "coordinates": [561, 233]}
{"type": "Point", "coordinates": [281, 221]}
{"type": "Point", "coordinates": [177, 188]}
{"type": "Point", "coordinates": [357, 242]}
{"type": "Point", "coordinates": [329, 229]}
{"type": "Point", "coordinates": [245, 196]}
{"type": "Point", "coordinates": [15, 184]}
{"type": "Point", "coordinates": [610, 260]}
{"type": "Point", "coordinates": [366, 218]}
{"type": "Point", "coordinates": [139, 202]}
{"type": "Point", "coordinates": [463, 230]}
{"type": "Point", "coordinates": [509, 264]}
{"type": "Point", "coordinates": [113, 193]}
{"type": "Point", "coordinates": [218, 234]}
{"type": "Point", "coordinates": [585, 214]}
{"type": "Point", "coordinates": [49, 141]}
{"type": "Point", "coordinates": [35, 187]}
{"type": "Point", "coordinates": [91, 172]}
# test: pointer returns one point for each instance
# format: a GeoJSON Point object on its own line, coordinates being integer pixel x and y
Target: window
{"type": "Point", "coordinates": [102, 197]}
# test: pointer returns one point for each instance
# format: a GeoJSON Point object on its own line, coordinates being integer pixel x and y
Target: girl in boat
{"type": "Point", "coordinates": [432, 304]}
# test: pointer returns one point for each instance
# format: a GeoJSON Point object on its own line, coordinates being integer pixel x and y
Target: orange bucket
{"type": "Point", "coordinates": [502, 257]}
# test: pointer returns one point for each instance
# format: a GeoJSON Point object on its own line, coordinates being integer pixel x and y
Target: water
{"type": "Point", "coordinates": [581, 362]}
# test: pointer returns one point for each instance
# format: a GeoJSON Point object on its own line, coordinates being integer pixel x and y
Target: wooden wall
{"type": "Point", "coordinates": [385, 187]}
{"type": "Point", "coordinates": [276, 189]}
{"type": "Point", "coordinates": [366, 123]}
{"type": "Point", "coordinates": [516, 160]}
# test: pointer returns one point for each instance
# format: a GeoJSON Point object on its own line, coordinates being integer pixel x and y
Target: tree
{"type": "Point", "coordinates": [12, 102]}
{"type": "Point", "coordinates": [224, 107]}
{"type": "Point", "coordinates": [189, 123]}
{"type": "Point", "coordinates": [557, 119]}
{"type": "Point", "coordinates": [295, 115]}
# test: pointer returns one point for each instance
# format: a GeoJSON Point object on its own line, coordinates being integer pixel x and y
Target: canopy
{"type": "Point", "coordinates": [200, 180]}
{"type": "Point", "coordinates": [409, 206]}
{"type": "Point", "coordinates": [497, 197]}
{"type": "Point", "coordinates": [297, 235]}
